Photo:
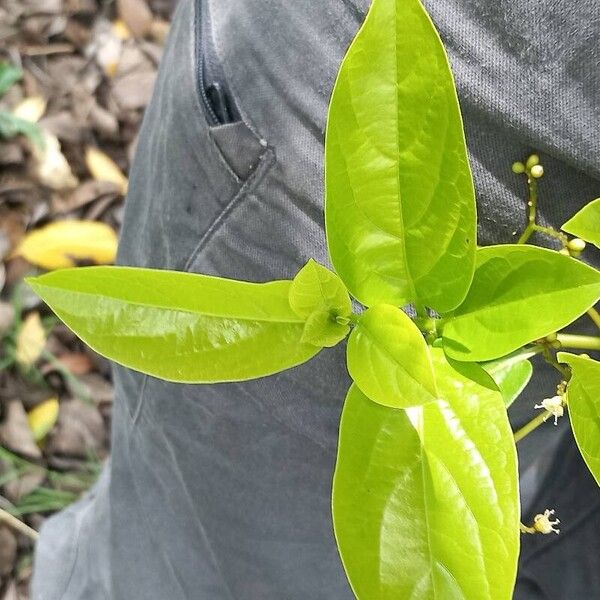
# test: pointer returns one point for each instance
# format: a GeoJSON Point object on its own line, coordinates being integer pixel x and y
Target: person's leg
{"type": "Point", "coordinates": [223, 491]}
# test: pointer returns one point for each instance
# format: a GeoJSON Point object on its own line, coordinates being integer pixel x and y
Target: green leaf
{"type": "Point", "coordinates": [400, 205]}
{"type": "Point", "coordinates": [9, 75]}
{"type": "Point", "coordinates": [511, 374]}
{"type": "Point", "coordinates": [519, 294]}
{"type": "Point", "coordinates": [586, 223]}
{"type": "Point", "coordinates": [425, 500]}
{"type": "Point", "coordinates": [179, 326]}
{"type": "Point", "coordinates": [11, 126]}
{"type": "Point", "coordinates": [583, 400]}
{"type": "Point", "coordinates": [320, 297]}
{"type": "Point", "coordinates": [389, 359]}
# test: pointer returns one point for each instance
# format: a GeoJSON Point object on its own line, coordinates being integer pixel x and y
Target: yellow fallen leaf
{"type": "Point", "coordinates": [30, 109]}
{"type": "Point", "coordinates": [103, 168]}
{"type": "Point", "coordinates": [121, 30]}
{"type": "Point", "coordinates": [31, 340]}
{"type": "Point", "coordinates": [53, 170]}
{"type": "Point", "coordinates": [42, 418]}
{"type": "Point", "coordinates": [62, 243]}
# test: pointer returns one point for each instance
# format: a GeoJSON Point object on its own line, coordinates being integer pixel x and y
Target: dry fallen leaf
{"type": "Point", "coordinates": [136, 15]}
{"type": "Point", "coordinates": [120, 29]}
{"type": "Point", "coordinates": [15, 433]}
{"type": "Point", "coordinates": [62, 243]}
{"type": "Point", "coordinates": [30, 109]}
{"type": "Point", "coordinates": [42, 418]}
{"type": "Point", "coordinates": [53, 170]}
{"type": "Point", "coordinates": [103, 168]}
{"type": "Point", "coordinates": [79, 431]}
{"type": "Point", "coordinates": [8, 551]}
{"type": "Point", "coordinates": [31, 340]}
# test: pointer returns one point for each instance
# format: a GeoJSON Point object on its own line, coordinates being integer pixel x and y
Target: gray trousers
{"type": "Point", "coordinates": [222, 492]}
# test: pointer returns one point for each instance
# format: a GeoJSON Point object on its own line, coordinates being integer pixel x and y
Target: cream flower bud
{"type": "Point", "coordinates": [537, 171]}
{"type": "Point", "coordinates": [554, 406]}
{"type": "Point", "coordinates": [543, 524]}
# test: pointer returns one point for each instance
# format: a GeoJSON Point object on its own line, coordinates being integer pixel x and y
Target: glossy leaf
{"type": "Point", "coordinates": [425, 500]}
{"type": "Point", "coordinates": [583, 400]}
{"type": "Point", "coordinates": [400, 208]}
{"type": "Point", "coordinates": [319, 296]}
{"type": "Point", "coordinates": [511, 374]}
{"type": "Point", "coordinates": [389, 359]}
{"type": "Point", "coordinates": [586, 223]}
{"type": "Point", "coordinates": [179, 326]}
{"type": "Point", "coordinates": [519, 294]}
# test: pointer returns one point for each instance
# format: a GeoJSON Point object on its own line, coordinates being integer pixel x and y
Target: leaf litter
{"type": "Point", "coordinates": [75, 77]}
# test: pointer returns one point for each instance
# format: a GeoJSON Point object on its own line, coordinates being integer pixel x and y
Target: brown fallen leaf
{"type": "Point", "coordinates": [76, 363]}
{"type": "Point", "coordinates": [15, 433]}
{"type": "Point", "coordinates": [79, 430]}
{"type": "Point", "coordinates": [62, 243]}
{"type": "Point", "coordinates": [103, 168]}
{"type": "Point", "coordinates": [8, 550]}
{"type": "Point", "coordinates": [15, 489]}
{"type": "Point", "coordinates": [87, 192]}
{"type": "Point", "coordinates": [133, 91]}
{"type": "Point", "coordinates": [31, 340]}
{"type": "Point", "coordinates": [7, 317]}
{"type": "Point", "coordinates": [42, 418]}
{"type": "Point", "coordinates": [136, 15]}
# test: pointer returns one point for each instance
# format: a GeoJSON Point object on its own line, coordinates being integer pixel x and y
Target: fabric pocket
{"type": "Point", "coordinates": [237, 142]}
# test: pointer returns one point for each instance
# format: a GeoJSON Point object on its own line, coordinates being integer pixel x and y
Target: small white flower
{"type": "Point", "coordinates": [543, 524]}
{"type": "Point", "coordinates": [554, 406]}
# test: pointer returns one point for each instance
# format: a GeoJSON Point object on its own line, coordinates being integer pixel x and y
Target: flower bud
{"type": "Point", "coordinates": [533, 160]}
{"type": "Point", "coordinates": [518, 167]}
{"type": "Point", "coordinates": [576, 245]}
{"type": "Point", "coordinates": [537, 171]}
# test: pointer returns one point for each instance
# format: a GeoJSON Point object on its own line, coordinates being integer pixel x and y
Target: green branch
{"type": "Point", "coordinates": [579, 342]}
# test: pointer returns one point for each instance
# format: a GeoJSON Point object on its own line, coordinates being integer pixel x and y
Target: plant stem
{"type": "Point", "coordinates": [18, 525]}
{"type": "Point", "coordinates": [529, 427]}
{"type": "Point", "coordinates": [532, 204]}
{"type": "Point", "coordinates": [582, 342]}
{"type": "Point", "coordinates": [525, 529]}
{"type": "Point", "coordinates": [594, 316]}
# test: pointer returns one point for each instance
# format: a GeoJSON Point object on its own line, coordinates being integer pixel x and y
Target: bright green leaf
{"type": "Point", "coordinates": [586, 223]}
{"type": "Point", "coordinates": [425, 500]}
{"type": "Point", "coordinates": [320, 297]}
{"type": "Point", "coordinates": [389, 359]}
{"type": "Point", "coordinates": [179, 326]}
{"type": "Point", "coordinates": [511, 374]}
{"type": "Point", "coordinates": [519, 294]}
{"type": "Point", "coordinates": [9, 75]}
{"type": "Point", "coordinates": [583, 400]}
{"type": "Point", "coordinates": [400, 207]}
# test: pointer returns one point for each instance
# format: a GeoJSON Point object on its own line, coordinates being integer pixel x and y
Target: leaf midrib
{"type": "Point", "coordinates": [207, 313]}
